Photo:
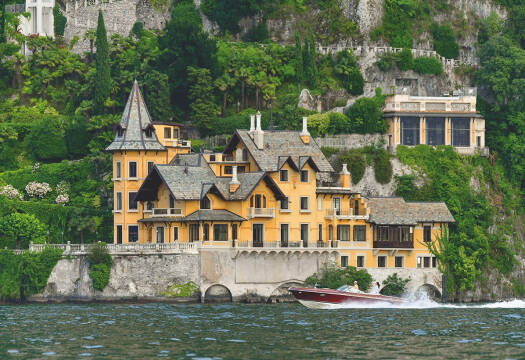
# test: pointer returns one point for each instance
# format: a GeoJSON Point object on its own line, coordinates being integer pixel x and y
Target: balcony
{"type": "Point", "coordinates": [158, 212]}
{"type": "Point", "coordinates": [177, 143]}
{"type": "Point", "coordinates": [346, 214]}
{"type": "Point", "coordinates": [261, 213]}
{"type": "Point", "coordinates": [408, 244]}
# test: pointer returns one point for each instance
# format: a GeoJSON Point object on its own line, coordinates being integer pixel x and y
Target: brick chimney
{"type": "Point", "coordinates": [234, 183]}
{"type": "Point", "coordinates": [259, 133]}
{"type": "Point", "coordinates": [305, 135]}
{"type": "Point", "coordinates": [345, 177]}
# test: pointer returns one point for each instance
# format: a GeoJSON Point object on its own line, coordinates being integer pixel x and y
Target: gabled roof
{"type": "Point", "coordinates": [278, 146]}
{"type": "Point", "coordinates": [213, 215]}
{"type": "Point", "coordinates": [133, 124]}
{"type": "Point", "coordinates": [395, 211]}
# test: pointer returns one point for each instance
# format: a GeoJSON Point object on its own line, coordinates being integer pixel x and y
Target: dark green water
{"type": "Point", "coordinates": [278, 331]}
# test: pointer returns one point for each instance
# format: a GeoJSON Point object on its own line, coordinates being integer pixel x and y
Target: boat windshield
{"type": "Point", "coordinates": [343, 288]}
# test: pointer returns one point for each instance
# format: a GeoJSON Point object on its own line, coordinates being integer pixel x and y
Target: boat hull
{"type": "Point", "coordinates": [329, 299]}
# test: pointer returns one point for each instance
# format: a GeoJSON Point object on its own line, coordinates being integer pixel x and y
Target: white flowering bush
{"type": "Point", "coordinates": [63, 188]}
{"type": "Point", "coordinates": [62, 199]}
{"type": "Point", "coordinates": [37, 190]}
{"type": "Point", "coordinates": [10, 192]}
{"type": "Point", "coordinates": [36, 166]}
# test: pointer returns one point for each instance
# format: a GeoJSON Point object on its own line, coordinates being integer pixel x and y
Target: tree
{"type": "Point", "coordinates": [203, 107]}
{"type": "Point", "coordinates": [366, 115]}
{"type": "Point", "coordinates": [444, 41]}
{"type": "Point", "coordinates": [394, 285]}
{"type": "Point", "coordinates": [46, 141]}
{"type": "Point", "coordinates": [91, 35]}
{"type": "Point", "coordinates": [102, 76]}
{"type": "Point", "coordinates": [17, 230]}
{"type": "Point", "coordinates": [299, 70]}
{"type": "Point", "coordinates": [2, 22]}
{"type": "Point", "coordinates": [59, 21]}
{"type": "Point", "coordinates": [333, 277]}
{"type": "Point", "coordinates": [349, 73]}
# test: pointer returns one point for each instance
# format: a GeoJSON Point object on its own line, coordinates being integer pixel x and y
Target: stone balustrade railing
{"type": "Point", "coordinates": [81, 249]}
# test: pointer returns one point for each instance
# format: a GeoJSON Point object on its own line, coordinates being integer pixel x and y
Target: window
{"type": "Point", "coordinates": [150, 166]}
{"type": "Point", "coordinates": [133, 233]}
{"type": "Point", "coordinates": [175, 233]}
{"type": "Point", "coordinates": [258, 201]}
{"type": "Point", "coordinates": [382, 233]}
{"type": "Point", "coordinates": [194, 232]}
{"type": "Point", "coordinates": [356, 207]}
{"type": "Point", "coordinates": [330, 232]}
{"type": "Point", "coordinates": [284, 204]}
{"type": "Point", "coordinates": [172, 202]}
{"type": "Point", "coordinates": [160, 234]}
{"type": "Point", "coordinates": [205, 232]}
{"type": "Point", "coordinates": [404, 234]}
{"type": "Point", "coordinates": [120, 132]}
{"type": "Point", "coordinates": [205, 203]}
{"type": "Point", "coordinates": [398, 261]}
{"type": "Point", "coordinates": [343, 232]}
{"type": "Point", "coordinates": [132, 202]}
{"type": "Point", "coordinates": [381, 261]}
{"type": "Point", "coordinates": [132, 167]}
{"type": "Point", "coordinates": [434, 262]}
{"type": "Point", "coordinates": [336, 205]}
{"type": "Point", "coordinates": [228, 170]}
{"type": "Point", "coordinates": [212, 157]}
{"type": "Point", "coordinates": [426, 262]}
{"type": "Point", "coordinates": [304, 234]}
{"type": "Point", "coordinates": [435, 131]}
{"type": "Point", "coordinates": [344, 261]}
{"type": "Point", "coordinates": [167, 133]}
{"type": "Point", "coordinates": [244, 155]}
{"type": "Point", "coordinates": [234, 231]}
{"type": "Point", "coordinates": [118, 202]}
{"type": "Point", "coordinates": [360, 261]}
{"type": "Point", "coordinates": [427, 233]}
{"type": "Point", "coordinates": [359, 232]}
{"type": "Point", "coordinates": [175, 133]}
{"type": "Point", "coordinates": [320, 232]}
{"type": "Point", "coordinates": [149, 132]}
{"type": "Point", "coordinates": [304, 203]}
{"type": "Point", "coordinates": [283, 175]}
{"type": "Point", "coordinates": [149, 205]}
{"type": "Point", "coordinates": [478, 141]}
{"type": "Point", "coordinates": [220, 232]}
{"type": "Point", "coordinates": [460, 131]}
{"type": "Point", "coordinates": [409, 130]}
{"type": "Point", "coordinates": [118, 170]}
{"type": "Point", "coordinates": [119, 234]}
{"type": "Point", "coordinates": [285, 231]}
{"type": "Point", "coordinates": [304, 175]}
{"type": "Point", "coordinates": [241, 169]}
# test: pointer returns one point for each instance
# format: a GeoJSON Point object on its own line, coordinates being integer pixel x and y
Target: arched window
{"type": "Point", "coordinates": [205, 203]}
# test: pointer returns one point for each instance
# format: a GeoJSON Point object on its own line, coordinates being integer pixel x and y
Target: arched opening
{"type": "Point", "coordinates": [428, 291]}
{"type": "Point", "coordinates": [281, 294]}
{"type": "Point", "coordinates": [217, 294]}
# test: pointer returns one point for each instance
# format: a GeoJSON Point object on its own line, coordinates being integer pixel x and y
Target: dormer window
{"type": "Point", "coordinates": [205, 203]}
{"type": "Point", "coordinates": [120, 132]}
{"type": "Point", "coordinates": [167, 133]}
{"type": "Point", "coordinates": [149, 132]}
{"type": "Point", "coordinates": [175, 133]}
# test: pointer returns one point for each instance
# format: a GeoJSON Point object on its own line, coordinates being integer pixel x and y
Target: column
{"type": "Point", "coordinates": [422, 124]}
{"type": "Point", "coordinates": [38, 17]}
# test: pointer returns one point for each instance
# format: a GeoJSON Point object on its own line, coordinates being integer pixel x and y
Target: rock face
{"type": "Point", "coordinates": [306, 101]}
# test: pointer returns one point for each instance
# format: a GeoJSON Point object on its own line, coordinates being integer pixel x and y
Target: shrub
{"type": "Point", "coordinates": [59, 21]}
{"type": "Point", "coordinates": [394, 285]}
{"type": "Point", "coordinates": [366, 115]}
{"type": "Point", "coordinates": [100, 263]}
{"type": "Point", "coordinates": [356, 164]}
{"type": "Point", "coordinates": [180, 290]}
{"type": "Point", "coordinates": [46, 140]}
{"type": "Point", "coordinates": [405, 60]}
{"type": "Point", "coordinates": [444, 41]}
{"type": "Point", "coordinates": [349, 73]}
{"type": "Point", "coordinates": [385, 62]}
{"type": "Point", "coordinates": [428, 65]}
{"type": "Point", "coordinates": [331, 276]}
{"type": "Point", "coordinates": [383, 167]}
{"type": "Point", "coordinates": [17, 230]}
{"type": "Point", "coordinates": [329, 151]}
{"type": "Point", "coordinates": [99, 273]}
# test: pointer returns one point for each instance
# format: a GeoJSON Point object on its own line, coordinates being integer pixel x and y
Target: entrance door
{"type": "Point", "coordinates": [194, 232]}
{"type": "Point", "coordinates": [336, 204]}
{"type": "Point", "coordinates": [258, 235]}
{"type": "Point", "coordinates": [160, 234]}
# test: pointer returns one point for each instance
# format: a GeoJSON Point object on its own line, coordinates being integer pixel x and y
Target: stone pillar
{"type": "Point", "coordinates": [422, 124]}
{"type": "Point", "coordinates": [38, 18]}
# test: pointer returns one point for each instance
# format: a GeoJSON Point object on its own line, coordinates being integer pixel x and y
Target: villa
{"type": "Point", "coordinates": [266, 190]}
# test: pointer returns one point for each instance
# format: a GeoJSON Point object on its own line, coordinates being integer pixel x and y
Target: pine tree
{"type": "Point", "coordinates": [102, 75]}
{"type": "Point", "coordinates": [299, 70]}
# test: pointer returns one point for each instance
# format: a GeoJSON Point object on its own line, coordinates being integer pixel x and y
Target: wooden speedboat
{"type": "Point", "coordinates": [315, 298]}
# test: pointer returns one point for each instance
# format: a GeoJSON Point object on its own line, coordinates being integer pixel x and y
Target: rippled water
{"type": "Point", "coordinates": [291, 331]}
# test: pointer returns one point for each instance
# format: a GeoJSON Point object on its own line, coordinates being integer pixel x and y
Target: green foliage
{"type": "Point", "coordinates": [356, 164]}
{"type": "Point", "coordinates": [348, 71]}
{"type": "Point", "coordinates": [329, 151]}
{"type": "Point", "coordinates": [100, 263]}
{"type": "Point", "coordinates": [102, 84]}
{"type": "Point", "coordinates": [366, 115]}
{"type": "Point", "coordinates": [181, 290]}
{"type": "Point", "coordinates": [394, 285]}
{"type": "Point", "coordinates": [17, 230]}
{"type": "Point", "coordinates": [397, 22]}
{"type": "Point", "coordinates": [258, 33]}
{"type": "Point", "coordinates": [333, 277]}
{"type": "Point", "coordinates": [445, 42]}
{"type": "Point", "coordinates": [2, 23]}
{"type": "Point", "coordinates": [405, 60]}
{"type": "Point", "coordinates": [203, 108]}
{"type": "Point", "coordinates": [59, 21]}
{"type": "Point", "coordinates": [46, 140]}
{"type": "Point", "coordinates": [382, 167]}
{"type": "Point", "coordinates": [26, 274]}
{"type": "Point", "coordinates": [227, 14]}
{"type": "Point", "coordinates": [428, 65]}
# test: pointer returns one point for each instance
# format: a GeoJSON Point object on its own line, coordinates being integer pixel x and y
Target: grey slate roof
{"type": "Point", "coordinates": [133, 123]}
{"type": "Point", "coordinates": [395, 211]}
{"type": "Point", "coordinates": [213, 215]}
{"type": "Point", "coordinates": [279, 145]}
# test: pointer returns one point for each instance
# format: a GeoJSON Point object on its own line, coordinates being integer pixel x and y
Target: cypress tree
{"type": "Point", "coordinates": [2, 22]}
{"type": "Point", "coordinates": [312, 56]}
{"type": "Point", "coordinates": [299, 70]}
{"type": "Point", "coordinates": [102, 75]}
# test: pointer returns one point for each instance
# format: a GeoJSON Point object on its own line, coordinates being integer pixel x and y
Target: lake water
{"type": "Point", "coordinates": [280, 331]}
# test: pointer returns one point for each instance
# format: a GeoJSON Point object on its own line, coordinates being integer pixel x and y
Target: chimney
{"type": "Point", "coordinates": [259, 133]}
{"type": "Point", "coordinates": [305, 135]}
{"type": "Point", "coordinates": [234, 183]}
{"type": "Point", "coordinates": [252, 125]}
{"type": "Point", "coordinates": [345, 177]}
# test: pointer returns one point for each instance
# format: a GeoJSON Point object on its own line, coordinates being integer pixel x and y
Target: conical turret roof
{"type": "Point", "coordinates": [135, 130]}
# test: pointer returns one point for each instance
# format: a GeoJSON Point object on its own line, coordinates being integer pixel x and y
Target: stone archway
{"type": "Point", "coordinates": [281, 294]}
{"type": "Point", "coordinates": [428, 290]}
{"type": "Point", "coordinates": [217, 294]}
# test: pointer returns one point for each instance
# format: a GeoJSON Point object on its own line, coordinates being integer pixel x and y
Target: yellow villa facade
{"type": "Point", "coordinates": [268, 189]}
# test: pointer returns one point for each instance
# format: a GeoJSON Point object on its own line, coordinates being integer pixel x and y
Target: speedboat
{"type": "Point", "coordinates": [316, 298]}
